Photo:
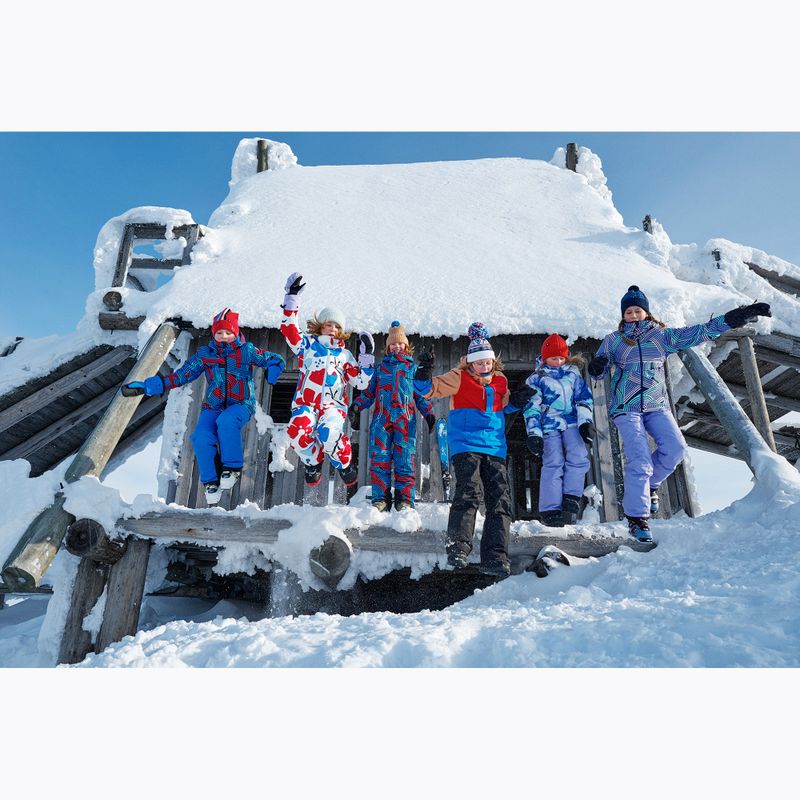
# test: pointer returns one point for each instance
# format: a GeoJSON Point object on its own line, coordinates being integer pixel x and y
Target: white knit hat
{"type": "Point", "coordinates": [331, 314]}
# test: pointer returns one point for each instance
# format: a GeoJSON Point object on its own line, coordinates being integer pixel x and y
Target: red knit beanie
{"type": "Point", "coordinates": [226, 320]}
{"type": "Point", "coordinates": [554, 345]}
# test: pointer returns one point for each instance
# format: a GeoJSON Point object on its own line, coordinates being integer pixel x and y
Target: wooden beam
{"type": "Point", "coordinates": [783, 283]}
{"type": "Point", "coordinates": [119, 321]}
{"type": "Point", "coordinates": [43, 397]}
{"type": "Point", "coordinates": [603, 452]}
{"type": "Point", "coordinates": [125, 589]}
{"type": "Point", "coordinates": [155, 263]}
{"type": "Point", "coordinates": [782, 440]}
{"type": "Point", "coordinates": [262, 156]}
{"type": "Point", "coordinates": [708, 446]}
{"type": "Point", "coordinates": [123, 257]}
{"type": "Point", "coordinates": [755, 392]}
{"type": "Point", "coordinates": [572, 157]}
{"type": "Point", "coordinates": [90, 581]}
{"type": "Point", "coordinates": [37, 548]}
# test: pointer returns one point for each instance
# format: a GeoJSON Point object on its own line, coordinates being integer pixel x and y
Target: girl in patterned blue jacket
{"type": "Point", "coordinates": [558, 421]}
{"type": "Point", "coordinates": [638, 401]}
{"type": "Point", "coordinates": [393, 432]}
{"type": "Point", "coordinates": [227, 362]}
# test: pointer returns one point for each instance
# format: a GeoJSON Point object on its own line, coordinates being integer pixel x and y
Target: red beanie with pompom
{"type": "Point", "coordinates": [554, 345]}
{"type": "Point", "coordinates": [226, 320]}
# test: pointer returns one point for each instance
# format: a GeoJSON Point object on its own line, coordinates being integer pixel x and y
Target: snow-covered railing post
{"type": "Point", "coordinates": [647, 224]}
{"type": "Point", "coordinates": [262, 150]}
{"type": "Point", "coordinates": [743, 433]}
{"type": "Point", "coordinates": [38, 546]}
{"type": "Point", "coordinates": [755, 391]}
{"type": "Point", "coordinates": [572, 156]}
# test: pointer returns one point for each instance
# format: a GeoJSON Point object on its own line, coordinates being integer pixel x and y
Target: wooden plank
{"type": "Point", "coordinates": [152, 230]}
{"type": "Point", "coordinates": [755, 392]}
{"type": "Point", "coordinates": [125, 588]}
{"type": "Point", "coordinates": [210, 526]}
{"type": "Point", "coordinates": [149, 263]}
{"type": "Point", "coordinates": [677, 484]}
{"type": "Point", "coordinates": [191, 241]}
{"type": "Point", "coordinates": [784, 283]}
{"type": "Point", "coordinates": [123, 257]}
{"type": "Point", "coordinates": [603, 452]}
{"type": "Point", "coordinates": [186, 461]}
{"type": "Point", "coordinates": [262, 156]}
{"type": "Point", "coordinates": [47, 394]}
{"type": "Point", "coordinates": [118, 321]}
{"type": "Point", "coordinates": [61, 426]}
{"type": "Point", "coordinates": [90, 581]}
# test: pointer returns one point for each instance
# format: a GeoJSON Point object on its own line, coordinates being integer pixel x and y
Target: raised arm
{"type": "Point", "coordinates": [296, 340]}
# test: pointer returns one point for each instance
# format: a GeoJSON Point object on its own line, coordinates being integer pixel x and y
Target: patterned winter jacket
{"type": "Point", "coordinates": [392, 390]}
{"type": "Point", "coordinates": [229, 371]}
{"type": "Point", "coordinates": [326, 367]}
{"type": "Point", "coordinates": [562, 400]}
{"type": "Point", "coordinates": [476, 423]}
{"type": "Point", "coordinates": [638, 353]}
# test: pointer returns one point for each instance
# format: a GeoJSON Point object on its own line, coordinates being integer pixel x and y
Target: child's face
{"type": "Point", "coordinates": [223, 336]}
{"type": "Point", "coordinates": [634, 314]}
{"type": "Point", "coordinates": [483, 366]}
{"type": "Point", "coordinates": [555, 361]}
{"type": "Point", "coordinates": [397, 347]}
{"type": "Point", "coordinates": [329, 329]}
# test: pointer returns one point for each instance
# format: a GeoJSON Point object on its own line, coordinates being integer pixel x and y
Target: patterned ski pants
{"type": "Point", "coordinates": [317, 432]}
{"type": "Point", "coordinates": [392, 443]}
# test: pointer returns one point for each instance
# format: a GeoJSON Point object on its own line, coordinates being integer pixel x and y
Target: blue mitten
{"type": "Point", "coordinates": [154, 385]}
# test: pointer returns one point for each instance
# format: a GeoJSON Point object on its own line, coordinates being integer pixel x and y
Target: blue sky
{"type": "Point", "coordinates": [58, 189]}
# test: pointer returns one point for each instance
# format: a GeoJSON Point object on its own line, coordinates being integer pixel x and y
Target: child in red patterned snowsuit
{"type": "Point", "coordinates": [319, 408]}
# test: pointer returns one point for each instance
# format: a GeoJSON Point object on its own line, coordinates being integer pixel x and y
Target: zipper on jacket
{"type": "Point", "coordinates": [641, 375]}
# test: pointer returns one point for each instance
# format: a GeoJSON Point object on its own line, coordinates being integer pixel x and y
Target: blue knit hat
{"type": "Point", "coordinates": [479, 346]}
{"type": "Point", "coordinates": [634, 297]}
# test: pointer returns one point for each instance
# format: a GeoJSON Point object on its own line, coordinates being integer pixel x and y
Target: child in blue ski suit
{"type": "Point", "coordinates": [393, 432]}
{"type": "Point", "coordinates": [558, 421]}
{"type": "Point", "coordinates": [227, 362]}
{"type": "Point", "coordinates": [638, 401]}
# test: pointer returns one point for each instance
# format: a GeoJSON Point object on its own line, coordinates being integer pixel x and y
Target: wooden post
{"type": "Point", "coordinates": [647, 223]}
{"type": "Point", "coordinates": [603, 452]}
{"type": "Point", "coordinates": [38, 546]}
{"type": "Point", "coordinates": [88, 539]}
{"type": "Point", "coordinates": [331, 559]}
{"type": "Point", "coordinates": [678, 477]}
{"type": "Point", "coordinates": [755, 391]}
{"type": "Point", "coordinates": [90, 581]}
{"type": "Point", "coordinates": [263, 156]}
{"type": "Point", "coordinates": [737, 424]}
{"type": "Point", "coordinates": [124, 594]}
{"type": "Point", "coordinates": [572, 156]}
{"type": "Point", "coordinates": [113, 300]}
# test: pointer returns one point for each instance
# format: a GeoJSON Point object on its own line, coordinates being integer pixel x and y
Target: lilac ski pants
{"type": "Point", "coordinates": [644, 469]}
{"type": "Point", "coordinates": [565, 462]}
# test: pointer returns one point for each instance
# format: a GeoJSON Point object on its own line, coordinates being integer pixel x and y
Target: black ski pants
{"type": "Point", "coordinates": [480, 476]}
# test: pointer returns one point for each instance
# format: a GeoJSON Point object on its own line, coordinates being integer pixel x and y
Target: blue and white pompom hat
{"type": "Point", "coordinates": [479, 345]}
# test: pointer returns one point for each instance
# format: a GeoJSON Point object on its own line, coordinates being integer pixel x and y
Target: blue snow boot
{"type": "Point", "coordinates": [639, 529]}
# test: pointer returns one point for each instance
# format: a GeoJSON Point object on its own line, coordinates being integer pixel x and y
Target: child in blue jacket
{"type": "Point", "coordinates": [393, 432]}
{"type": "Point", "coordinates": [558, 421]}
{"type": "Point", "coordinates": [227, 362]}
{"type": "Point", "coordinates": [638, 401]}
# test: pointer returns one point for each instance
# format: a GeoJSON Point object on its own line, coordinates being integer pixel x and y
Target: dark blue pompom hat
{"type": "Point", "coordinates": [634, 297]}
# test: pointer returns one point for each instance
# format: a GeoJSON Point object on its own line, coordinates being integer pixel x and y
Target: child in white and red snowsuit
{"type": "Point", "coordinates": [327, 367]}
{"type": "Point", "coordinates": [393, 432]}
{"type": "Point", "coordinates": [227, 361]}
{"type": "Point", "coordinates": [638, 401]}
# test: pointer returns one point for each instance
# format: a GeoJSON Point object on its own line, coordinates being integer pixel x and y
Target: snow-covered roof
{"type": "Point", "coordinates": [525, 246]}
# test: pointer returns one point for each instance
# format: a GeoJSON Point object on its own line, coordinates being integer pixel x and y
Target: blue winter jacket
{"type": "Point", "coordinates": [562, 399]}
{"type": "Point", "coordinates": [638, 353]}
{"type": "Point", "coordinates": [229, 372]}
{"type": "Point", "coordinates": [391, 388]}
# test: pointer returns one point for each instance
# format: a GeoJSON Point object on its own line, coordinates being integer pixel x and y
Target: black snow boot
{"type": "Point", "coordinates": [349, 476]}
{"type": "Point", "coordinates": [553, 519]}
{"type": "Point", "coordinates": [571, 504]}
{"type": "Point", "coordinates": [313, 474]}
{"type": "Point", "coordinates": [498, 568]}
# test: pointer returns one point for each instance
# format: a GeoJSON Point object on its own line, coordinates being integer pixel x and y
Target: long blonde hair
{"type": "Point", "coordinates": [314, 327]}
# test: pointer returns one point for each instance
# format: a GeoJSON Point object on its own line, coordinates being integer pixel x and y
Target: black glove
{"type": "Point", "coordinates": [430, 419]}
{"type": "Point", "coordinates": [744, 314]}
{"type": "Point", "coordinates": [354, 415]}
{"type": "Point", "coordinates": [520, 397]}
{"type": "Point", "coordinates": [597, 365]}
{"type": "Point", "coordinates": [587, 432]}
{"type": "Point", "coordinates": [425, 364]}
{"type": "Point", "coordinates": [536, 446]}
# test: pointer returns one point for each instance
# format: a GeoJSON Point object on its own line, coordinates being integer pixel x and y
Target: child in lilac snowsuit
{"type": "Point", "coordinates": [393, 432]}
{"type": "Point", "coordinates": [558, 421]}
{"type": "Point", "coordinates": [638, 401]}
{"type": "Point", "coordinates": [227, 362]}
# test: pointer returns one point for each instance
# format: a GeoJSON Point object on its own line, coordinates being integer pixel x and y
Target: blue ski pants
{"type": "Point", "coordinates": [645, 470]}
{"type": "Point", "coordinates": [219, 430]}
{"type": "Point", "coordinates": [565, 463]}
